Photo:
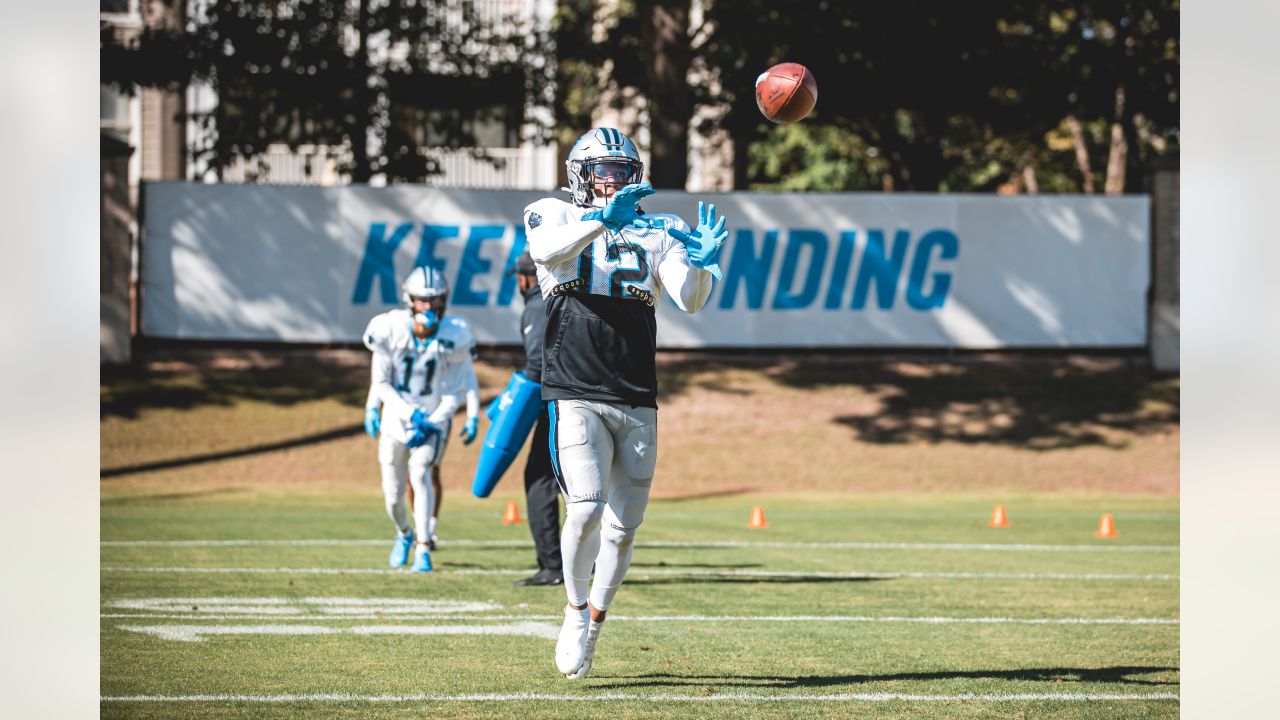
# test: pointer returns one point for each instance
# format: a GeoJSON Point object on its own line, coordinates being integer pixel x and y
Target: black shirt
{"type": "Point", "coordinates": [533, 326]}
{"type": "Point", "coordinates": [600, 348]}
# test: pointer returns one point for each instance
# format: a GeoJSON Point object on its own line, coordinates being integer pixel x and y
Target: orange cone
{"type": "Point", "coordinates": [1106, 526]}
{"type": "Point", "coordinates": [998, 517]}
{"type": "Point", "coordinates": [757, 521]}
{"type": "Point", "coordinates": [512, 514]}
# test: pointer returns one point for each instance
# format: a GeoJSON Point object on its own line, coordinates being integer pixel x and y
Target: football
{"type": "Point", "coordinates": [786, 92]}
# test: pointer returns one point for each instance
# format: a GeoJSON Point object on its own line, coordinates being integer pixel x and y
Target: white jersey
{"type": "Point", "coordinates": [621, 264]}
{"type": "Point", "coordinates": [409, 374]}
{"type": "Point", "coordinates": [601, 288]}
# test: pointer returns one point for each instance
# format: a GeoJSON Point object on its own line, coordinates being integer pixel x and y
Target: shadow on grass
{"type": "Point", "coordinates": [134, 499]}
{"type": "Point", "coordinates": [128, 390]}
{"type": "Point", "coordinates": [1119, 674]}
{"type": "Point", "coordinates": [1040, 402]}
{"type": "Point", "coordinates": [723, 566]}
{"type": "Point", "coordinates": [337, 434]}
{"type": "Point", "coordinates": [747, 579]}
{"type": "Point", "coordinates": [1043, 404]}
{"type": "Point", "coordinates": [723, 492]}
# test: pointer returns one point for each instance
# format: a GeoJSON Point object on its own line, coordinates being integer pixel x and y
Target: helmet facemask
{"type": "Point", "coordinates": [427, 313]}
{"type": "Point", "coordinates": [426, 295]}
{"type": "Point", "coordinates": [607, 176]}
{"type": "Point", "coordinates": [602, 162]}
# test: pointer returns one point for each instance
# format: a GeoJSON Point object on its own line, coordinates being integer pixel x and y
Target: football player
{"type": "Point", "coordinates": [602, 265]}
{"type": "Point", "coordinates": [421, 369]}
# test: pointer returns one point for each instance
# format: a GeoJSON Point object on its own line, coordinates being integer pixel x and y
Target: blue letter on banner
{"type": "Point", "coordinates": [473, 264]}
{"type": "Point", "coordinates": [884, 271]}
{"type": "Point", "coordinates": [783, 298]}
{"type": "Point", "coordinates": [950, 247]}
{"type": "Point", "coordinates": [508, 288]}
{"type": "Point", "coordinates": [748, 267]}
{"type": "Point", "coordinates": [840, 269]}
{"type": "Point", "coordinates": [379, 262]}
{"type": "Point", "coordinates": [431, 235]}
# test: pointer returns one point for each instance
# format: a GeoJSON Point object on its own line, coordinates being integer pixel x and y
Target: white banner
{"type": "Point", "coordinates": [313, 264]}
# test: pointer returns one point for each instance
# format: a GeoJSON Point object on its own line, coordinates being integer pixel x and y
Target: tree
{"type": "Point", "coordinates": [380, 80]}
{"type": "Point", "coordinates": [611, 50]}
{"type": "Point", "coordinates": [929, 96]}
{"type": "Point", "coordinates": [666, 56]}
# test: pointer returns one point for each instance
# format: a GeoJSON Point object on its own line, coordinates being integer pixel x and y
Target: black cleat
{"type": "Point", "coordinates": [542, 577]}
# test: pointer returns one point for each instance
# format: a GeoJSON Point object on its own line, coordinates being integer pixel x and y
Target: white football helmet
{"type": "Point", "coordinates": [601, 160]}
{"type": "Point", "coordinates": [426, 283]}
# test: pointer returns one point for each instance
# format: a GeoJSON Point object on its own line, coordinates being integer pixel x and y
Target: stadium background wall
{"type": "Point", "coordinates": [312, 264]}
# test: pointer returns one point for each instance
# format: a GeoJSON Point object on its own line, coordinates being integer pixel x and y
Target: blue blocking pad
{"type": "Point", "coordinates": [511, 417]}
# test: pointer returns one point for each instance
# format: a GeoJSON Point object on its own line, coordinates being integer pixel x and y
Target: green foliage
{"type": "Point", "coordinates": [948, 96]}
{"type": "Point", "coordinates": [812, 156]}
{"type": "Point", "coordinates": [913, 95]}
{"type": "Point", "coordinates": [369, 78]}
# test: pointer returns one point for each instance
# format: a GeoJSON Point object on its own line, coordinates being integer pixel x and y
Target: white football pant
{"type": "Point", "coordinates": [400, 464]}
{"type": "Point", "coordinates": [603, 455]}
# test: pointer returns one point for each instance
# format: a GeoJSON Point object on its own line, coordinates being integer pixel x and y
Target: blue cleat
{"type": "Point", "coordinates": [400, 550]}
{"type": "Point", "coordinates": [422, 560]}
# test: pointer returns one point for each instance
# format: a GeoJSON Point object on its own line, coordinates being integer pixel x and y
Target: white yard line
{"type": "Point", "coordinates": [345, 607]}
{"type": "Point", "coordinates": [639, 697]}
{"type": "Point", "coordinates": [685, 618]}
{"type": "Point", "coordinates": [985, 547]}
{"type": "Point", "coordinates": [197, 633]}
{"type": "Point", "coordinates": [642, 572]}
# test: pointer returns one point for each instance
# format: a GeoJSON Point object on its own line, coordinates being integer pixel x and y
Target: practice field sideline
{"type": "Point", "coordinates": [243, 550]}
{"type": "Point", "coordinates": [1044, 619]}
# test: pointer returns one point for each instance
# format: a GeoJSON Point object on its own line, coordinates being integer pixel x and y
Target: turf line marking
{"type": "Point", "coordinates": [643, 572]}
{"type": "Point", "coordinates": [663, 697]}
{"type": "Point", "coordinates": [690, 618]}
{"type": "Point", "coordinates": [995, 547]}
{"type": "Point", "coordinates": [347, 607]}
{"type": "Point", "coordinates": [197, 633]}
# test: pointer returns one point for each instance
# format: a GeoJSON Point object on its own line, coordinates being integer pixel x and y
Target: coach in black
{"type": "Point", "coordinates": [542, 494]}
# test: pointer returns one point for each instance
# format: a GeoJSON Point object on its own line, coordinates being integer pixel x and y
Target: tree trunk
{"type": "Point", "coordinates": [361, 171]}
{"type": "Point", "coordinates": [1118, 157]}
{"type": "Point", "coordinates": [1082, 153]}
{"type": "Point", "coordinates": [741, 157]}
{"type": "Point", "coordinates": [665, 38]}
{"type": "Point", "coordinates": [575, 79]}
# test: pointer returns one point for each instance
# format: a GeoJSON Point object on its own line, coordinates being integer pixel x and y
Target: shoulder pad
{"type": "Point", "coordinates": [460, 327]}
{"type": "Point", "coordinates": [545, 210]}
{"type": "Point", "coordinates": [377, 336]}
{"type": "Point", "coordinates": [455, 334]}
{"type": "Point", "coordinates": [387, 330]}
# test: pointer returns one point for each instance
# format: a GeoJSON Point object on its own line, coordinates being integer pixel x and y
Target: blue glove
{"type": "Point", "coordinates": [704, 243]}
{"type": "Point", "coordinates": [469, 430]}
{"type": "Point", "coordinates": [372, 422]}
{"type": "Point", "coordinates": [621, 210]}
{"type": "Point", "coordinates": [423, 430]}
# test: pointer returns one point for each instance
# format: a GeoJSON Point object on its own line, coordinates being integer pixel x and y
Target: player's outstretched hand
{"type": "Point", "coordinates": [469, 430]}
{"type": "Point", "coordinates": [704, 243]}
{"type": "Point", "coordinates": [621, 210]}
{"type": "Point", "coordinates": [372, 422]}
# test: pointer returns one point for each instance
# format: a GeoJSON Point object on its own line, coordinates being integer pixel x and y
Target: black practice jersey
{"type": "Point", "coordinates": [601, 335]}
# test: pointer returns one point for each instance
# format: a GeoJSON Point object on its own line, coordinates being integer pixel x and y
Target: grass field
{"type": "Point", "coordinates": [244, 551]}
